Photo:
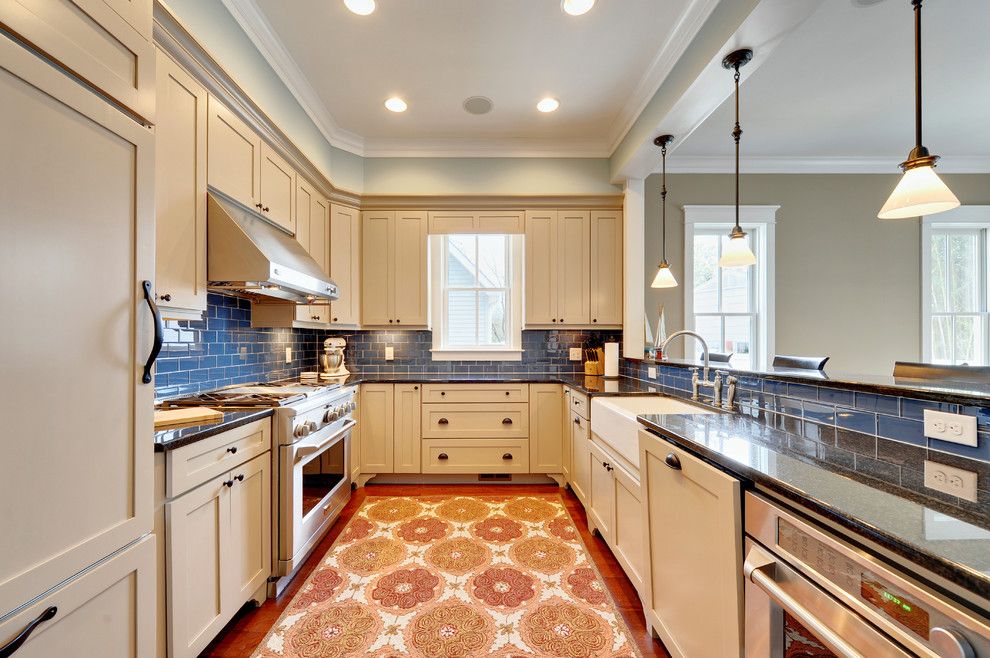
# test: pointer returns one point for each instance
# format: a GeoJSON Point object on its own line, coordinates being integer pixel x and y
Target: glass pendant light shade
{"type": "Point", "coordinates": [664, 278]}
{"type": "Point", "coordinates": [737, 252]}
{"type": "Point", "coordinates": [920, 192]}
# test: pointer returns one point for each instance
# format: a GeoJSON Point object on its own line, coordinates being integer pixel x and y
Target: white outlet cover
{"type": "Point", "coordinates": [651, 372]}
{"type": "Point", "coordinates": [574, 354]}
{"type": "Point", "coordinates": [955, 428]}
{"type": "Point", "coordinates": [288, 355]}
{"type": "Point", "coordinates": [951, 480]}
{"type": "Point", "coordinates": [389, 353]}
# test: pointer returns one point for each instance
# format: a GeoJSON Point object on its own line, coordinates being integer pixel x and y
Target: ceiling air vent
{"type": "Point", "coordinates": [478, 105]}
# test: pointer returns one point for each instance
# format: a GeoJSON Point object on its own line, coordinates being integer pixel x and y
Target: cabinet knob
{"type": "Point", "coordinates": [415, 388]}
{"type": "Point", "coordinates": [266, 209]}
{"type": "Point", "coordinates": [442, 455]}
{"type": "Point", "coordinates": [507, 455]}
{"type": "Point", "coordinates": [561, 319]}
{"type": "Point", "coordinates": [594, 319]}
{"type": "Point", "coordinates": [577, 421]}
{"type": "Point", "coordinates": [443, 421]}
{"type": "Point", "coordinates": [240, 478]}
{"type": "Point", "coordinates": [442, 393]}
{"type": "Point", "coordinates": [672, 461]}
{"type": "Point", "coordinates": [165, 298]}
{"type": "Point", "coordinates": [258, 205]}
{"type": "Point", "coordinates": [553, 319]}
{"type": "Point", "coordinates": [335, 319]}
{"type": "Point", "coordinates": [506, 421]}
{"type": "Point", "coordinates": [228, 483]}
{"type": "Point", "coordinates": [507, 392]}
{"type": "Point", "coordinates": [390, 322]}
{"type": "Point", "coordinates": [397, 320]}
{"type": "Point", "coordinates": [316, 317]}
{"type": "Point", "coordinates": [232, 450]}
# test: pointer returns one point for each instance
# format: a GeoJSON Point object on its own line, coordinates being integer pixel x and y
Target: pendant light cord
{"type": "Point", "coordinates": [663, 203]}
{"type": "Point", "coordinates": [917, 72]}
{"type": "Point", "coordinates": [736, 134]}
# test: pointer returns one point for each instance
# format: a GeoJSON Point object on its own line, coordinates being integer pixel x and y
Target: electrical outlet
{"type": "Point", "coordinates": [950, 480]}
{"type": "Point", "coordinates": [288, 355]}
{"type": "Point", "coordinates": [651, 372]}
{"type": "Point", "coordinates": [389, 353]}
{"type": "Point", "coordinates": [575, 354]}
{"type": "Point", "coordinates": [956, 428]}
{"type": "Point", "coordinates": [243, 354]}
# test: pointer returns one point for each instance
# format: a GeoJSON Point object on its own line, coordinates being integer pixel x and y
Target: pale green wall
{"type": "Point", "coordinates": [847, 284]}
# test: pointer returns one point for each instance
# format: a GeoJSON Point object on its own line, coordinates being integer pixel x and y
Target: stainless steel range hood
{"type": "Point", "coordinates": [251, 257]}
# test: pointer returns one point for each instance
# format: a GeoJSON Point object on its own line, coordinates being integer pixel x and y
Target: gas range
{"type": "Point", "coordinates": [278, 393]}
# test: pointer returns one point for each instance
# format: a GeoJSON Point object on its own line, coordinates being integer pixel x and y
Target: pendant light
{"type": "Point", "coordinates": [664, 278]}
{"type": "Point", "coordinates": [920, 190]}
{"type": "Point", "coordinates": [737, 253]}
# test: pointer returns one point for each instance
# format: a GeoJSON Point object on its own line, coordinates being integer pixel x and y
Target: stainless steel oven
{"type": "Point", "coordinates": [812, 594]}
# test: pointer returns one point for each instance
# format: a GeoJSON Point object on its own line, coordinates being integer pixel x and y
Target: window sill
{"type": "Point", "coordinates": [475, 355]}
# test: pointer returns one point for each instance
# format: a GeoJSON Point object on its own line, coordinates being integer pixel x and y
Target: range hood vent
{"type": "Point", "coordinates": [249, 256]}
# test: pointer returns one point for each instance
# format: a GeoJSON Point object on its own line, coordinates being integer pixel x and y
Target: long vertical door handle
{"type": "Point", "coordinates": [156, 348]}
{"type": "Point", "coordinates": [8, 649]}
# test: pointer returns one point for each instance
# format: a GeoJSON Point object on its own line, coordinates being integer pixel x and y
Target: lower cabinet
{"type": "Point", "coordinates": [377, 401]}
{"type": "Point", "coordinates": [106, 611]}
{"type": "Point", "coordinates": [581, 458]}
{"type": "Point", "coordinates": [546, 423]}
{"type": "Point", "coordinates": [692, 529]}
{"type": "Point", "coordinates": [406, 432]}
{"type": "Point", "coordinates": [565, 435]}
{"type": "Point", "coordinates": [615, 511]}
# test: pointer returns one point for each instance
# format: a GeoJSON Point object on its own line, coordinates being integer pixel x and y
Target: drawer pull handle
{"type": "Point", "coordinates": [228, 483]}
{"type": "Point", "coordinates": [232, 450]}
{"type": "Point", "coordinates": [442, 456]}
{"type": "Point", "coordinates": [672, 461]}
{"type": "Point", "coordinates": [15, 644]}
{"type": "Point", "coordinates": [507, 393]}
{"type": "Point", "coordinates": [507, 455]}
{"type": "Point", "coordinates": [443, 393]}
{"type": "Point", "coordinates": [577, 421]}
{"type": "Point", "coordinates": [443, 421]}
{"type": "Point", "coordinates": [240, 478]}
{"type": "Point", "coordinates": [506, 421]}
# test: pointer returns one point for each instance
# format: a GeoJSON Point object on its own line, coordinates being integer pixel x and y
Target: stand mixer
{"type": "Point", "coordinates": [332, 359]}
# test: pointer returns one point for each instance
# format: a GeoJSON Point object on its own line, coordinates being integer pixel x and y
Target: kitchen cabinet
{"type": "Point", "coordinates": [219, 553]}
{"type": "Point", "coordinates": [481, 221]}
{"type": "Point", "coordinates": [407, 426]}
{"type": "Point", "coordinates": [601, 512]}
{"type": "Point", "coordinates": [377, 430]}
{"type": "Point", "coordinates": [565, 435]}
{"type": "Point", "coordinates": [233, 155]}
{"type": "Point", "coordinates": [394, 269]}
{"type": "Point", "coordinates": [180, 193]}
{"type": "Point", "coordinates": [546, 424]}
{"type": "Point", "coordinates": [345, 265]}
{"type": "Point", "coordinates": [692, 523]}
{"type": "Point", "coordinates": [573, 267]}
{"type": "Point", "coordinates": [606, 267]}
{"type": "Point", "coordinates": [541, 267]}
{"type": "Point", "coordinates": [105, 42]}
{"type": "Point", "coordinates": [278, 189]}
{"type": "Point", "coordinates": [313, 233]}
{"type": "Point", "coordinates": [78, 199]}
{"type": "Point", "coordinates": [615, 509]}
{"type": "Point", "coordinates": [581, 458]}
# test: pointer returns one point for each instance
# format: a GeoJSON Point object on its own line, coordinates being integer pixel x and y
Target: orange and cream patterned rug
{"type": "Point", "coordinates": [454, 577]}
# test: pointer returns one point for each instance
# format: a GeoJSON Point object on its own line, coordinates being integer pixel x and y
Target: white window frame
{"type": "Point", "coordinates": [963, 217]}
{"type": "Point", "coordinates": [761, 223]}
{"type": "Point", "coordinates": [440, 352]}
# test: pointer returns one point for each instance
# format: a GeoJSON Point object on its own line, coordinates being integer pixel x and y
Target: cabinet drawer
{"type": "Point", "coordinates": [579, 403]}
{"type": "Point", "coordinates": [482, 421]}
{"type": "Point", "coordinates": [475, 456]}
{"type": "Point", "coordinates": [476, 393]}
{"type": "Point", "coordinates": [191, 465]}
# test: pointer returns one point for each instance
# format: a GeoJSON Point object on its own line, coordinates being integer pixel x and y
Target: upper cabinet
{"type": "Point", "coordinates": [394, 269]}
{"type": "Point", "coordinates": [345, 265]}
{"type": "Point", "coordinates": [483, 221]}
{"type": "Point", "coordinates": [573, 268]}
{"type": "Point", "coordinates": [105, 42]}
{"type": "Point", "coordinates": [313, 233]}
{"type": "Point", "coordinates": [180, 193]}
{"type": "Point", "coordinates": [234, 155]}
{"type": "Point", "coordinates": [278, 188]}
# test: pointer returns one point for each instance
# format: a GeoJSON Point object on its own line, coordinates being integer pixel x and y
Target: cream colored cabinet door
{"type": "Point", "coordinates": [233, 156]}
{"type": "Point", "coordinates": [313, 233]}
{"type": "Point", "coordinates": [376, 267]}
{"type": "Point", "coordinates": [345, 265]}
{"type": "Point", "coordinates": [108, 611]}
{"type": "Point", "coordinates": [411, 269]}
{"type": "Point", "coordinates": [565, 432]}
{"type": "Point", "coordinates": [581, 455]}
{"type": "Point", "coordinates": [546, 423]}
{"type": "Point", "coordinates": [573, 267]}
{"type": "Point", "coordinates": [77, 192]}
{"type": "Point", "coordinates": [699, 615]}
{"type": "Point", "coordinates": [407, 432]}
{"type": "Point", "coordinates": [627, 525]}
{"type": "Point", "coordinates": [606, 267]}
{"type": "Point", "coordinates": [278, 189]}
{"type": "Point", "coordinates": [541, 267]}
{"type": "Point", "coordinates": [249, 552]}
{"type": "Point", "coordinates": [106, 42]}
{"type": "Point", "coordinates": [377, 429]}
{"type": "Point", "coordinates": [180, 192]}
{"type": "Point", "coordinates": [354, 455]}
{"type": "Point", "coordinates": [199, 555]}
{"type": "Point", "coordinates": [601, 513]}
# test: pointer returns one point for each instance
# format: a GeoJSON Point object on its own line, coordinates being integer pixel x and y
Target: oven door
{"type": "Point", "coordinates": [314, 485]}
{"type": "Point", "coordinates": [788, 616]}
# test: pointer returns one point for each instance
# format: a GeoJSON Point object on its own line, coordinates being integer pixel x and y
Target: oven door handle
{"type": "Point", "coordinates": [759, 568]}
{"type": "Point", "coordinates": [305, 450]}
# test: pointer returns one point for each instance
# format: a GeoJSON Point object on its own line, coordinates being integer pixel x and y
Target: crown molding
{"type": "Point", "coordinates": [683, 32]}
{"type": "Point", "coordinates": [257, 28]}
{"type": "Point", "coordinates": [704, 164]}
{"type": "Point", "coordinates": [490, 202]}
{"type": "Point", "coordinates": [484, 148]}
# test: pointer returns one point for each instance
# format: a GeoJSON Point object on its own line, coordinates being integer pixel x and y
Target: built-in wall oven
{"type": "Point", "coordinates": [812, 594]}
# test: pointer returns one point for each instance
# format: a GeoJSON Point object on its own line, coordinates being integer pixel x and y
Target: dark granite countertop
{"type": "Point", "coordinates": [951, 542]}
{"type": "Point", "coordinates": [589, 385]}
{"type": "Point", "coordinates": [170, 439]}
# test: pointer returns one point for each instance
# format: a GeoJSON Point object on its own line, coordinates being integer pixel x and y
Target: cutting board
{"type": "Point", "coordinates": [186, 416]}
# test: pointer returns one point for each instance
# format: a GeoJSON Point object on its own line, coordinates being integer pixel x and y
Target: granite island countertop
{"type": "Point", "coordinates": [170, 439]}
{"type": "Point", "coordinates": [953, 542]}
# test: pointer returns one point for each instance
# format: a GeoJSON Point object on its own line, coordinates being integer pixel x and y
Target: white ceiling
{"type": "Point", "coordinates": [603, 67]}
{"type": "Point", "coordinates": [838, 94]}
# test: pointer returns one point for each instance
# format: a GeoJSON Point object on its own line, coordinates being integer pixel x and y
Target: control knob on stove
{"type": "Point", "coordinates": [331, 415]}
{"type": "Point", "coordinates": [301, 430]}
{"type": "Point", "coordinates": [950, 643]}
{"type": "Point", "coordinates": [312, 425]}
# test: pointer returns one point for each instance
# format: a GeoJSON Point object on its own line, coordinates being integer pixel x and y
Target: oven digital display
{"type": "Point", "coordinates": [902, 610]}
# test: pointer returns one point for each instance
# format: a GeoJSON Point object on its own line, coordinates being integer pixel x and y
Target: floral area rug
{"type": "Point", "coordinates": [454, 577]}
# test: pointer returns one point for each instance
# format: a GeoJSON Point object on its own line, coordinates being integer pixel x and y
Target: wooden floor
{"type": "Point", "coordinates": [249, 627]}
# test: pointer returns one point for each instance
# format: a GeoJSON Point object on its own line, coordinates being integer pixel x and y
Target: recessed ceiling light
{"type": "Point", "coordinates": [576, 7]}
{"type": "Point", "coordinates": [396, 104]}
{"type": "Point", "coordinates": [361, 7]}
{"type": "Point", "coordinates": [478, 105]}
{"type": "Point", "coordinates": [548, 105]}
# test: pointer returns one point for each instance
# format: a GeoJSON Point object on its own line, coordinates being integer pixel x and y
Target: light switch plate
{"type": "Point", "coordinates": [956, 428]}
{"type": "Point", "coordinates": [389, 353]}
{"type": "Point", "coordinates": [575, 354]}
{"type": "Point", "coordinates": [288, 355]}
{"type": "Point", "coordinates": [651, 372]}
{"type": "Point", "coordinates": [950, 480]}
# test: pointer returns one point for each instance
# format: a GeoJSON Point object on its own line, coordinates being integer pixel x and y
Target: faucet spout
{"type": "Point", "coordinates": [686, 332]}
